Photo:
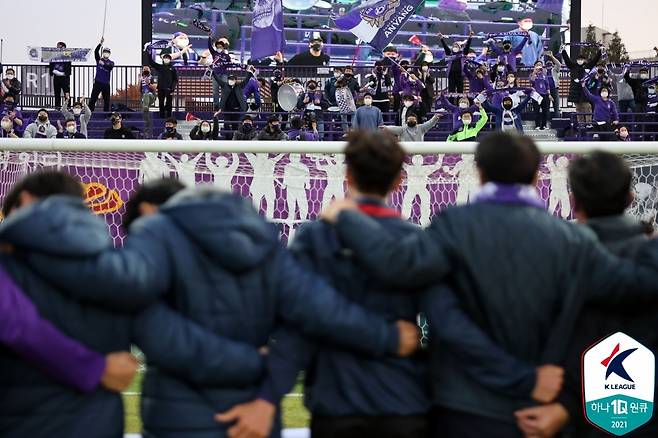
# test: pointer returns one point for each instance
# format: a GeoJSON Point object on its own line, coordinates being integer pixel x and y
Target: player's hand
{"type": "Point", "coordinates": [330, 214]}
{"type": "Point", "coordinates": [251, 420]}
{"type": "Point", "coordinates": [102, 40]}
{"type": "Point", "coordinates": [409, 335]}
{"type": "Point", "coordinates": [548, 384]}
{"type": "Point", "coordinates": [440, 35]}
{"type": "Point", "coordinates": [120, 368]}
{"type": "Point", "coordinates": [542, 421]}
{"type": "Point", "coordinates": [470, 31]}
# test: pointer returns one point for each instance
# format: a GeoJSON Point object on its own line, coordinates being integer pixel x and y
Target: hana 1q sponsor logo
{"type": "Point", "coordinates": [618, 384]}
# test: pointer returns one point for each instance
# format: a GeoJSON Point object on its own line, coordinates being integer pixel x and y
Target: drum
{"type": "Point", "coordinates": [288, 95]}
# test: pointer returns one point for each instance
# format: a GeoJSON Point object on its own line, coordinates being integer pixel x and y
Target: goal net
{"type": "Point", "coordinates": [290, 188]}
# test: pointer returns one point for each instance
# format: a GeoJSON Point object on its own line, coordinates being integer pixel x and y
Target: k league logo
{"type": "Point", "coordinates": [618, 384]}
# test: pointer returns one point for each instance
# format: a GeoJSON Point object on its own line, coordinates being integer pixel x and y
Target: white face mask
{"type": "Point", "coordinates": [652, 90]}
{"type": "Point", "coordinates": [456, 49]}
{"type": "Point", "coordinates": [623, 134]}
{"type": "Point", "coordinates": [463, 105]}
{"type": "Point", "coordinates": [10, 77]}
{"type": "Point", "coordinates": [511, 80]}
{"type": "Point", "coordinates": [77, 111]}
{"type": "Point", "coordinates": [337, 74]}
{"type": "Point", "coordinates": [425, 68]}
{"type": "Point", "coordinates": [106, 55]}
{"type": "Point", "coordinates": [466, 122]}
{"type": "Point", "coordinates": [367, 101]}
{"type": "Point", "coordinates": [408, 103]}
{"type": "Point", "coordinates": [181, 43]}
{"type": "Point", "coordinates": [644, 76]}
{"type": "Point", "coordinates": [231, 82]}
{"type": "Point", "coordinates": [580, 62]}
{"type": "Point", "coordinates": [6, 125]}
{"type": "Point", "coordinates": [70, 129]}
{"type": "Point", "coordinates": [604, 95]}
{"type": "Point", "coordinates": [205, 129]}
{"type": "Point", "coordinates": [501, 69]}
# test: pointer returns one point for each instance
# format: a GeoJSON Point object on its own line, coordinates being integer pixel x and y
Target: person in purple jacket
{"type": "Point", "coordinates": [605, 115]}
{"type": "Point", "coordinates": [508, 53]}
{"type": "Point", "coordinates": [104, 68]}
{"type": "Point", "coordinates": [37, 341]}
{"type": "Point", "coordinates": [9, 109]}
{"type": "Point", "coordinates": [478, 80]}
{"type": "Point", "coordinates": [539, 81]}
{"type": "Point", "coordinates": [463, 106]}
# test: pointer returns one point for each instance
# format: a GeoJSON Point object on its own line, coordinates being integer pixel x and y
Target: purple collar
{"type": "Point", "coordinates": [510, 194]}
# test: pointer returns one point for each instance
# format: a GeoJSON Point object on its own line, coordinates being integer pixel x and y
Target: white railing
{"type": "Point", "coordinates": [310, 147]}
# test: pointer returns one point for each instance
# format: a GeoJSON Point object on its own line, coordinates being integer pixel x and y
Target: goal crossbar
{"type": "Point", "coordinates": [301, 147]}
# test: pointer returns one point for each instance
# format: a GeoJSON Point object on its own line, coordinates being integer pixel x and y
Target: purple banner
{"type": "Point", "coordinates": [267, 36]}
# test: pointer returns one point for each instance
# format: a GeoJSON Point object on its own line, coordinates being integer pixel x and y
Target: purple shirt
{"type": "Point", "coordinates": [604, 110]}
{"type": "Point", "coordinates": [37, 341]}
{"type": "Point", "coordinates": [252, 87]}
{"type": "Point", "coordinates": [475, 84]}
{"type": "Point", "coordinates": [510, 56]}
{"type": "Point", "coordinates": [540, 84]}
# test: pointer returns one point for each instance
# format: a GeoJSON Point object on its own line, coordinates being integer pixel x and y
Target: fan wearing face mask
{"type": "Point", "coordinates": [9, 109]}
{"type": "Point", "coordinates": [508, 114]}
{"type": "Point", "coordinates": [539, 81]}
{"type": "Point", "coordinates": [534, 49]}
{"type": "Point", "coordinates": [80, 113]}
{"type": "Point", "coordinates": [70, 130]}
{"type": "Point", "coordinates": [468, 131]}
{"type": "Point", "coordinates": [7, 128]}
{"type": "Point", "coordinates": [605, 112]}
{"type": "Point", "coordinates": [409, 105]}
{"type": "Point", "coordinates": [247, 129]}
{"type": "Point", "coordinates": [463, 106]}
{"type": "Point", "coordinates": [180, 49]}
{"type": "Point", "coordinates": [412, 129]}
{"type": "Point", "coordinates": [167, 82]}
{"type": "Point", "coordinates": [10, 85]}
{"type": "Point", "coordinates": [507, 53]}
{"type": "Point", "coordinates": [367, 117]}
{"type": "Point", "coordinates": [313, 101]}
{"type": "Point", "coordinates": [456, 59]}
{"type": "Point", "coordinates": [577, 71]}
{"type": "Point", "coordinates": [60, 71]}
{"type": "Point", "coordinates": [104, 68]}
{"type": "Point", "coordinates": [204, 131]}
{"type": "Point", "coordinates": [640, 92]}
{"type": "Point", "coordinates": [231, 103]}
{"type": "Point", "coordinates": [623, 134]}
{"type": "Point", "coordinates": [314, 57]}
{"type": "Point", "coordinates": [427, 92]}
{"type": "Point", "coordinates": [41, 127]}
{"type": "Point", "coordinates": [478, 80]}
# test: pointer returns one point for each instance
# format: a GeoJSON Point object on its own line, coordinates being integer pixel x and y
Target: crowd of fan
{"type": "Point", "coordinates": [396, 90]}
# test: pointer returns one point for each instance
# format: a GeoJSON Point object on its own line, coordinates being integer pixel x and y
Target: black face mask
{"type": "Point", "coordinates": [316, 46]}
{"type": "Point", "coordinates": [276, 128]}
{"type": "Point", "coordinates": [246, 127]}
{"type": "Point", "coordinates": [507, 106]}
{"type": "Point", "coordinates": [601, 71]}
{"type": "Point", "coordinates": [507, 47]}
{"type": "Point", "coordinates": [380, 69]}
{"type": "Point", "coordinates": [115, 120]}
{"type": "Point", "coordinates": [412, 123]}
{"type": "Point", "coordinates": [43, 119]}
{"type": "Point", "coordinates": [146, 73]}
{"type": "Point", "coordinates": [311, 87]}
{"type": "Point", "coordinates": [169, 129]}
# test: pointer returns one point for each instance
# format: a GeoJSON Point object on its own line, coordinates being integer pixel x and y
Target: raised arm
{"type": "Point", "coordinates": [484, 118]}
{"type": "Point", "coordinates": [97, 52]}
{"type": "Point", "coordinates": [424, 127]}
{"type": "Point", "coordinates": [592, 63]}
{"type": "Point", "coordinates": [518, 49]}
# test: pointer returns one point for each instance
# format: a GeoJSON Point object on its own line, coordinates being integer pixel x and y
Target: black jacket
{"type": "Point", "coordinates": [625, 237]}
{"type": "Point", "coordinates": [577, 72]}
{"type": "Point", "coordinates": [197, 134]}
{"type": "Point", "coordinates": [639, 91]}
{"type": "Point", "coordinates": [522, 292]}
{"type": "Point", "coordinates": [167, 76]}
{"type": "Point", "coordinates": [67, 135]}
{"type": "Point", "coordinates": [66, 65]}
{"type": "Point", "coordinates": [121, 133]}
{"type": "Point", "coordinates": [226, 91]}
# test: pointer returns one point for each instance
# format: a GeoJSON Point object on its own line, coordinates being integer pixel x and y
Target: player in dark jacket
{"type": "Point", "coordinates": [104, 68]}
{"type": "Point", "coordinates": [167, 82]}
{"type": "Point", "coordinates": [198, 240]}
{"type": "Point", "coordinates": [577, 72]}
{"type": "Point", "coordinates": [505, 286]}
{"type": "Point", "coordinates": [61, 74]}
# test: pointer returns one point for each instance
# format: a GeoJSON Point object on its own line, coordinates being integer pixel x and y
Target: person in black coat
{"type": "Point", "coordinates": [167, 81]}
{"type": "Point", "coordinates": [60, 71]}
{"type": "Point", "coordinates": [203, 130]}
{"type": "Point", "coordinates": [577, 72]}
{"type": "Point", "coordinates": [118, 131]}
{"type": "Point", "coordinates": [231, 101]}
{"type": "Point", "coordinates": [601, 187]}
{"type": "Point", "coordinates": [639, 91]}
{"type": "Point", "coordinates": [559, 267]}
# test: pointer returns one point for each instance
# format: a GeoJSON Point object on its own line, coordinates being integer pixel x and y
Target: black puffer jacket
{"type": "Point", "coordinates": [577, 72]}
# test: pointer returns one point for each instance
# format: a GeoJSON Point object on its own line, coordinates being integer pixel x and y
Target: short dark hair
{"type": "Point", "coordinates": [374, 159]}
{"type": "Point", "coordinates": [171, 120]}
{"type": "Point", "coordinates": [154, 192]}
{"type": "Point", "coordinates": [507, 158]}
{"type": "Point", "coordinates": [296, 122]}
{"type": "Point", "coordinates": [368, 93]}
{"type": "Point", "coordinates": [247, 117]}
{"type": "Point", "coordinates": [600, 183]}
{"type": "Point", "coordinates": [272, 119]}
{"type": "Point", "coordinates": [10, 68]}
{"type": "Point", "coordinates": [42, 184]}
{"type": "Point", "coordinates": [390, 49]}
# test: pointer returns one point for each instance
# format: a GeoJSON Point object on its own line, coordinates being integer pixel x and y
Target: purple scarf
{"type": "Point", "coordinates": [510, 194]}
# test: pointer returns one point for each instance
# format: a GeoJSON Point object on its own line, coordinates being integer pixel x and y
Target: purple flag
{"type": "Point", "coordinates": [267, 29]}
{"type": "Point", "coordinates": [376, 22]}
{"type": "Point", "coordinates": [554, 6]}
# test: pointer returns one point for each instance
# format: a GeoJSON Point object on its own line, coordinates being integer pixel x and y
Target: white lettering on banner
{"type": "Point", "coordinates": [32, 80]}
{"type": "Point", "coordinates": [397, 22]}
{"type": "Point", "coordinates": [36, 80]}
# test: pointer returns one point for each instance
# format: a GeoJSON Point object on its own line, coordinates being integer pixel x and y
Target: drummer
{"type": "Point", "coordinates": [312, 101]}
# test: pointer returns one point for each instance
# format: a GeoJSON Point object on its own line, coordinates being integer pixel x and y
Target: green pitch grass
{"type": "Point", "coordinates": [294, 413]}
